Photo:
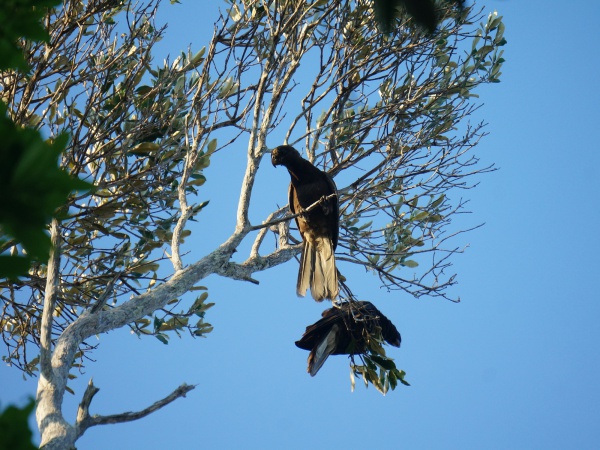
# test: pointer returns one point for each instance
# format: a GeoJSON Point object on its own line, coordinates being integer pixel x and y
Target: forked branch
{"type": "Point", "coordinates": [85, 420]}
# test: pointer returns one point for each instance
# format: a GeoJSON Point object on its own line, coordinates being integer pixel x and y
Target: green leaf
{"type": "Point", "coordinates": [162, 338]}
{"type": "Point", "coordinates": [438, 201]}
{"type": "Point", "coordinates": [197, 180]}
{"type": "Point", "coordinates": [198, 288]}
{"type": "Point", "coordinates": [15, 433]}
{"type": "Point", "coordinates": [483, 51]}
{"type": "Point", "coordinates": [385, 363]}
{"type": "Point", "coordinates": [14, 266]}
{"type": "Point", "coordinates": [197, 59]}
{"type": "Point", "coordinates": [32, 185]}
{"type": "Point", "coordinates": [143, 90]}
{"type": "Point", "coordinates": [144, 148]}
{"type": "Point", "coordinates": [200, 206]}
{"type": "Point", "coordinates": [419, 216]}
{"type": "Point", "coordinates": [435, 218]}
{"type": "Point", "coordinates": [157, 323]}
{"type": "Point", "coordinates": [212, 145]}
{"type": "Point", "coordinates": [401, 374]}
{"type": "Point", "coordinates": [422, 12]}
{"type": "Point", "coordinates": [202, 163]}
{"type": "Point", "coordinates": [145, 268]}
{"type": "Point", "coordinates": [21, 19]}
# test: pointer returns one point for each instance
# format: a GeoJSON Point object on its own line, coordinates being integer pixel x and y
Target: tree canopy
{"type": "Point", "coordinates": [386, 115]}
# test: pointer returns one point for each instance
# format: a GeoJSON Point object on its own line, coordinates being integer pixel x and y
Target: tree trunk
{"type": "Point", "coordinates": [56, 432]}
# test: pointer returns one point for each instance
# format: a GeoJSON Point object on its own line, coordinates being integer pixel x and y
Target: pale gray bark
{"type": "Point", "coordinates": [56, 432]}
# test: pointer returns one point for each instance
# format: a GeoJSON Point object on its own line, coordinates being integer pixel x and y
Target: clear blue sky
{"type": "Point", "coordinates": [514, 366]}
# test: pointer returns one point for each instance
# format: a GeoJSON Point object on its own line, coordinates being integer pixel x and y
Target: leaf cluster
{"type": "Point", "coordinates": [126, 140]}
{"type": "Point", "coordinates": [21, 19]}
{"type": "Point", "coordinates": [423, 12]}
{"type": "Point", "coordinates": [177, 322]}
{"type": "Point", "coordinates": [15, 433]}
{"type": "Point", "coordinates": [32, 186]}
{"type": "Point", "coordinates": [368, 345]}
{"type": "Point", "coordinates": [376, 368]}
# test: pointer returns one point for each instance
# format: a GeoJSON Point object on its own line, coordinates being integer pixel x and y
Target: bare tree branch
{"type": "Point", "coordinates": [85, 421]}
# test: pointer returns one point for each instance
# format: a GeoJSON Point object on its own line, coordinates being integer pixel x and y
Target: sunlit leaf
{"type": "Point", "coordinates": [211, 147]}
{"type": "Point", "coordinates": [197, 59]}
{"type": "Point", "coordinates": [144, 148]}
{"type": "Point", "coordinates": [234, 13]}
{"type": "Point", "coordinates": [197, 180]}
